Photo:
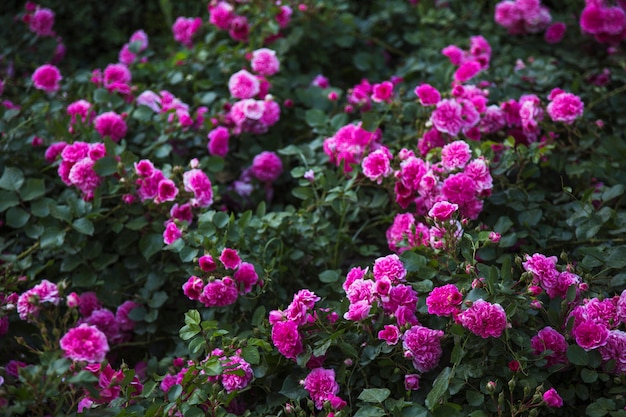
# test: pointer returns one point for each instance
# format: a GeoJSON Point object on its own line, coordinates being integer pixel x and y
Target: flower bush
{"type": "Point", "coordinates": [325, 208]}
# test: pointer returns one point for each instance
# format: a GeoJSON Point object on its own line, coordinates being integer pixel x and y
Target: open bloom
{"type": "Point", "coordinates": [484, 319]}
{"type": "Point", "coordinates": [47, 78]}
{"type": "Point", "coordinates": [85, 343]}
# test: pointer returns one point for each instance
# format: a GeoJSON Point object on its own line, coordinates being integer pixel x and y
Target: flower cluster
{"type": "Point", "coordinates": [286, 324]}
{"type": "Point", "coordinates": [137, 44]}
{"type": "Point", "coordinates": [469, 62]}
{"type": "Point", "coordinates": [117, 327]}
{"type": "Point", "coordinates": [109, 386]}
{"type": "Point", "coordinates": [606, 23]}
{"type": "Point", "coordinates": [255, 111]}
{"type": "Point", "coordinates": [237, 373]}
{"type": "Point", "coordinates": [522, 16]}
{"type": "Point", "coordinates": [456, 182]}
{"type": "Point", "coordinates": [166, 103]}
{"type": "Point", "coordinates": [322, 387]}
{"type": "Point", "coordinates": [77, 163]}
{"type": "Point", "coordinates": [40, 20]}
{"type": "Point", "coordinates": [184, 28]}
{"type": "Point", "coordinates": [30, 302]}
{"type": "Point", "coordinates": [350, 145]}
{"type": "Point", "coordinates": [219, 292]}
{"type": "Point", "coordinates": [548, 277]}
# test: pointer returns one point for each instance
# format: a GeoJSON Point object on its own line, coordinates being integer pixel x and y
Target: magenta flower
{"type": "Point", "coordinates": [565, 107]}
{"type": "Point", "coordinates": [552, 398]}
{"type": "Point", "coordinates": [554, 33]}
{"type": "Point", "coordinates": [47, 78]}
{"type": "Point", "coordinates": [550, 339]}
{"type": "Point", "coordinates": [412, 382]}
{"type": "Point", "coordinates": [484, 319]}
{"type": "Point", "coordinates": [590, 335]}
{"type": "Point", "coordinates": [207, 263]}
{"type": "Point", "coordinates": [444, 301]}
{"type": "Point", "coordinates": [423, 346]}
{"type": "Point", "coordinates": [166, 191]}
{"type": "Point", "coordinates": [30, 302]}
{"type": "Point", "coordinates": [198, 182]}
{"type": "Point", "coordinates": [243, 85]}
{"type": "Point", "coordinates": [184, 28]}
{"type": "Point", "coordinates": [382, 92]}
{"type": "Point", "coordinates": [219, 293]}
{"type": "Point", "coordinates": [246, 277]}
{"type": "Point", "coordinates": [193, 288]}
{"type": "Point", "coordinates": [218, 141]}
{"type": "Point", "coordinates": [124, 322]}
{"type": "Point", "coordinates": [111, 124]}
{"type": "Point", "coordinates": [455, 155]}
{"type": "Point", "coordinates": [390, 334]}
{"type": "Point", "coordinates": [171, 233]}
{"type": "Point", "coordinates": [267, 166]}
{"type": "Point", "coordinates": [321, 385]}
{"type": "Point", "coordinates": [221, 14]}
{"type": "Point", "coordinates": [286, 338]}
{"type": "Point", "coordinates": [448, 117]}
{"type": "Point", "coordinates": [467, 71]}
{"type": "Point", "coordinates": [85, 343]}
{"type": "Point", "coordinates": [428, 95]}
{"type": "Point", "coordinates": [264, 62]}
{"type": "Point", "coordinates": [41, 22]}
{"type": "Point", "coordinates": [391, 267]}
{"type": "Point", "coordinates": [230, 258]}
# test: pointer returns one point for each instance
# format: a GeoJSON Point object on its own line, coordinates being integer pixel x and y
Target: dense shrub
{"type": "Point", "coordinates": [316, 208]}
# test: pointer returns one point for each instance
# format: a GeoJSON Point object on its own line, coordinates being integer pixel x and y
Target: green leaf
{"type": "Point", "coordinates": [105, 166]}
{"type": "Point", "coordinates": [52, 237]}
{"type": "Point", "coordinates": [188, 331]}
{"type": "Point", "coordinates": [143, 114]}
{"type": "Point", "coordinates": [370, 121]}
{"type": "Point", "coordinates": [329, 276]}
{"type": "Point", "coordinates": [617, 258]}
{"type": "Point", "coordinates": [17, 217]}
{"type": "Point", "coordinates": [192, 317]}
{"type": "Point", "coordinates": [374, 395]}
{"type": "Point", "coordinates": [315, 117]}
{"type": "Point", "coordinates": [589, 376]}
{"type": "Point", "coordinates": [596, 410]}
{"type": "Point", "coordinates": [530, 217]}
{"type": "Point", "coordinates": [101, 95]}
{"type": "Point", "coordinates": [12, 179]}
{"type": "Point", "coordinates": [440, 386]}
{"type": "Point", "coordinates": [174, 392]}
{"type": "Point", "coordinates": [613, 192]}
{"type": "Point", "coordinates": [251, 355]}
{"type": "Point", "coordinates": [8, 199]}
{"type": "Point", "coordinates": [34, 188]}
{"type": "Point", "coordinates": [292, 389]}
{"type": "Point", "coordinates": [83, 226]}
{"type": "Point", "coordinates": [220, 219]}
{"type": "Point", "coordinates": [413, 261]}
{"type": "Point", "coordinates": [577, 355]}
{"type": "Point", "coordinates": [158, 299]}
{"type": "Point", "coordinates": [474, 398]}
{"type": "Point", "coordinates": [302, 193]}
{"type": "Point", "coordinates": [370, 411]}
{"type": "Point", "coordinates": [150, 244]}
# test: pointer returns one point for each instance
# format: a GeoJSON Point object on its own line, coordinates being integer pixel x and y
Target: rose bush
{"type": "Point", "coordinates": [314, 208]}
